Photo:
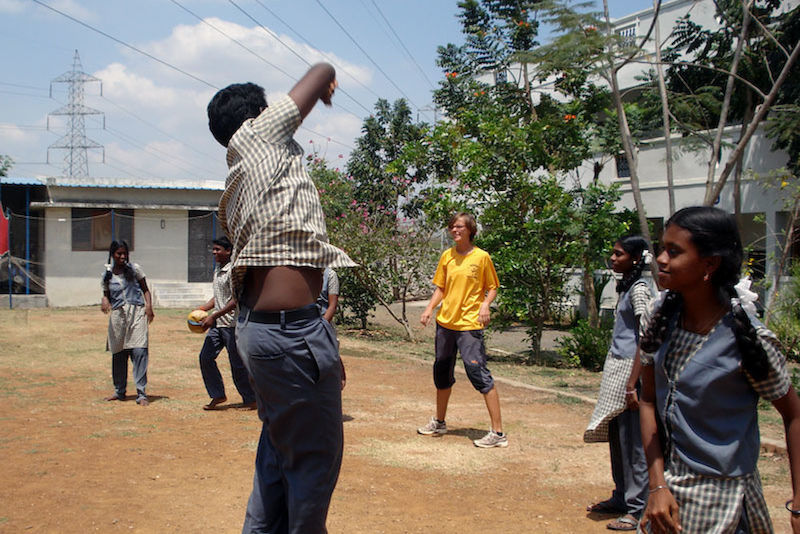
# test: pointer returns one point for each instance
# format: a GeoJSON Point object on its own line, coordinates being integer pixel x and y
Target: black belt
{"type": "Point", "coordinates": [283, 317]}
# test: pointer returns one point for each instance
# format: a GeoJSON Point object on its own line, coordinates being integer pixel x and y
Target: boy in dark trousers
{"type": "Point", "coordinates": [219, 326]}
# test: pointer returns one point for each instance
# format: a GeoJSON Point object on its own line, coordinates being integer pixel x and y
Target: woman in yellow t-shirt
{"type": "Point", "coordinates": [466, 284]}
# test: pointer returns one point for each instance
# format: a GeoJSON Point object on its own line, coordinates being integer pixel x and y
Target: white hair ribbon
{"type": "Point", "coordinates": [746, 296]}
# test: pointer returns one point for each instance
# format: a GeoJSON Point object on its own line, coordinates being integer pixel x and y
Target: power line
{"type": "Point", "coordinates": [161, 154]}
{"type": "Point", "coordinates": [21, 86]}
{"type": "Point", "coordinates": [275, 36]}
{"type": "Point", "coordinates": [156, 128]}
{"type": "Point", "coordinates": [16, 93]}
{"type": "Point", "coordinates": [256, 54]}
{"type": "Point", "coordinates": [154, 58]}
{"type": "Point", "coordinates": [123, 43]}
{"type": "Point", "coordinates": [365, 53]}
{"type": "Point", "coordinates": [399, 40]}
{"type": "Point", "coordinates": [359, 82]}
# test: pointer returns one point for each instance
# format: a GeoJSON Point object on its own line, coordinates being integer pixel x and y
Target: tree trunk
{"type": "Point", "coordinates": [753, 126]}
{"type": "Point", "coordinates": [662, 89]}
{"type": "Point", "coordinates": [590, 295]}
{"type": "Point", "coordinates": [713, 158]}
{"type": "Point", "coordinates": [787, 247]}
{"type": "Point", "coordinates": [627, 144]}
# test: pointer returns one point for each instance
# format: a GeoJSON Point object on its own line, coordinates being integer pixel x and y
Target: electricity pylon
{"type": "Point", "coordinates": [75, 142]}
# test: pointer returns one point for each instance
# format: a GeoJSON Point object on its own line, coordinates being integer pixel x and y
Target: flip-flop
{"type": "Point", "coordinates": [605, 507]}
{"type": "Point", "coordinates": [626, 522]}
{"type": "Point", "coordinates": [214, 403]}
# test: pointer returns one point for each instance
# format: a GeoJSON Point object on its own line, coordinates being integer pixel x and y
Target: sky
{"type": "Point", "coordinates": [160, 62]}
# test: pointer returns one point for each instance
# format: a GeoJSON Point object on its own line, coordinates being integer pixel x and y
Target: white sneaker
{"type": "Point", "coordinates": [492, 439]}
{"type": "Point", "coordinates": [433, 427]}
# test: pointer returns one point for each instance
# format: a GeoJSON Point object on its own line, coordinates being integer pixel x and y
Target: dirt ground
{"type": "Point", "coordinates": [72, 463]}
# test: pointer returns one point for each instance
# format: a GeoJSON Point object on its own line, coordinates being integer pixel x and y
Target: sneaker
{"type": "Point", "coordinates": [492, 439]}
{"type": "Point", "coordinates": [433, 427]}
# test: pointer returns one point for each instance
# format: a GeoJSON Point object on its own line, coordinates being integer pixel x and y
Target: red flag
{"type": "Point", "coordinates": [3, 231]}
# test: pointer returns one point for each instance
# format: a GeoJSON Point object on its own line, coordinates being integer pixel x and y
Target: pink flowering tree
{"type": "Point", "coordinates": [396, 255]}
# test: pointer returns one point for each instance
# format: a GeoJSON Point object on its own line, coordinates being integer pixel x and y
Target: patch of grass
{"type": "Point", "coordinates": [564, 399]}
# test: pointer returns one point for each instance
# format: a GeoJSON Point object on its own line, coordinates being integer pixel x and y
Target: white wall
{"type": "Point", "coordinates": [73, 277]}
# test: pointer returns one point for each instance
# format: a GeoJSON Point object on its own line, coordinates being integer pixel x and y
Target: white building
{"type": "Point", "coordinates": [61, 230]}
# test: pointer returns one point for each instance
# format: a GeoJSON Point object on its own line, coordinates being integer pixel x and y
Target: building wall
{"type": "Point", "coordinates": [73, 277]}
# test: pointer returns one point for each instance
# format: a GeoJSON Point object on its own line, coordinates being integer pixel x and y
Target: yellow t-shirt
{"type": "Point", "coordinates": [464, 279]}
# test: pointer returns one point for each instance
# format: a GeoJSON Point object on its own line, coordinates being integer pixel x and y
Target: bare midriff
{"type": "Point", "coordinates": [281, 288]}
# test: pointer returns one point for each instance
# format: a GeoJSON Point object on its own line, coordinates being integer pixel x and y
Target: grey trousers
{"type": "Point", "coordinates": [297, 378]}
{"type": "Point", "coordinates": [628, 463]}
{"type": "Point", "coordinates": [119, 370]}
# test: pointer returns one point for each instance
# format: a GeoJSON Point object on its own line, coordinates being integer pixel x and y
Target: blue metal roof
{"type": "Point", "coordinates": [117, 183]}
{"type": "Point", "coordinates": [18, 180]}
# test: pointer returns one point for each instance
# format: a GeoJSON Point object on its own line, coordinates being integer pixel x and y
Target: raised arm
{"type": "Point", "coordinates": [318, 83]}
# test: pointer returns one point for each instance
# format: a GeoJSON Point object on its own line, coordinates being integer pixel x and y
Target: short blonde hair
{"type": "Point", "coordinates": [469, 222]}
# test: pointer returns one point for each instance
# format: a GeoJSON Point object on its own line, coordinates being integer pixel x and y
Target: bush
{"type": "Point", "coordinates": [785, 319]}
{"type": "Point", "coordinates": [586, 346]}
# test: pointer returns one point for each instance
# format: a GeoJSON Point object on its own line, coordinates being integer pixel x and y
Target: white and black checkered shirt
{"type": "Point", "coordinates": [270, 208]}
{"type": "Point", "coordinates": [714, 504]}
{"type": "Point", "coordinates": [223, 294]}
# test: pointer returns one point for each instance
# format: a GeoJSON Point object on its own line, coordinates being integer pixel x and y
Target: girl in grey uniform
{"type": "Point", "coordinates": [705, 363]}
{"type": "Point", "coordinates": [127, 298]}
{"type": "Point", "coordinates": [615, 418]}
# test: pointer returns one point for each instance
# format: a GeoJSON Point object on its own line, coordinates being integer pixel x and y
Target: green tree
{"type": "Point", "coordinates": [508, 160]}
{"type": "Point", "coordinates": [384, 134]}
{"type": "Point", "coordinates": [5, 165]}
{"type": "Point", "coordinates": [736, 73]}
{"type": "Point", "coordinates": [395, 256]}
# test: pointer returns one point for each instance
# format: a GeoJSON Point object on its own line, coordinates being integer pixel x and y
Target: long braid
{"type": "Point", "coordinates": [754, 357]}
{"type": "Point", "coordinates": [630, 278]}
{"type": "Point", "coordinates": [656, 332]}
{"type": "Point", "coordinates": [636, 246]}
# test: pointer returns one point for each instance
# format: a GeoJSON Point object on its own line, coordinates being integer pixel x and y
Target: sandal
{"type": "Point", "coordinates": [216, 401]}
{"type": "Point", "coordinates": [625, 522]}
{"type": "Point", "coordinates": [605, 507]}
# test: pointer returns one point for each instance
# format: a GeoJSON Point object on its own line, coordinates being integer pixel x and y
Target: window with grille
{"type": "Point", "coordinates": [95, 228]}
{"type": "Point", "coordinates": [628, 35]}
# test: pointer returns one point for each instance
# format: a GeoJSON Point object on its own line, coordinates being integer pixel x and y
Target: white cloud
{"type": "Point", "coordinates": [11, 6]}
{"type": "Point", "coordinates": [215, 58]}
{"type": "Point", "coordinates": [11, 133]}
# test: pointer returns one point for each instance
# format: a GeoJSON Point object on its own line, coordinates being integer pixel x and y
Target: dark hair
{"type": "Point", "coordinates": [714, 233]}
{"type": "Point", "coordinates": [128, 270]}
{"type": "Point", "coordinates": [469, 222]}
{"type": "Point", "coordinates": [224, 242]}
{"type": "Point", "coordinates": [230, 107]}
{"type": "Point", "coordinates": [635, 245]}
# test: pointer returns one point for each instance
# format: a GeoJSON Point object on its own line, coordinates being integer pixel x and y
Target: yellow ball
{"type": "Point", "coordinates": [195, 321]}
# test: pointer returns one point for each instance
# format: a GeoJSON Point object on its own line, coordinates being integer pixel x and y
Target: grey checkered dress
{"type": "Point", "coordinates": [714, 504]}
{"type": "Point", "coordinates": [270, 208]}
{"type": "Point", "coordinates": [616, 371]}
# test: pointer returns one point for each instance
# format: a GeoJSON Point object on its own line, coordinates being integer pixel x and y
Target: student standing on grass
{"type": "Point", "coordinates": [127, 300]}
{"type": "Point", "coordinates": [466, 284]}
{"type": "Point", "coordinates": [220, 329]}
{"type": "Point", "coordinates": [616, 418]}
{"type": "Point", "coordinates": [706, 361]}
{"type": "Point", "coordinates": [271, 211]}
